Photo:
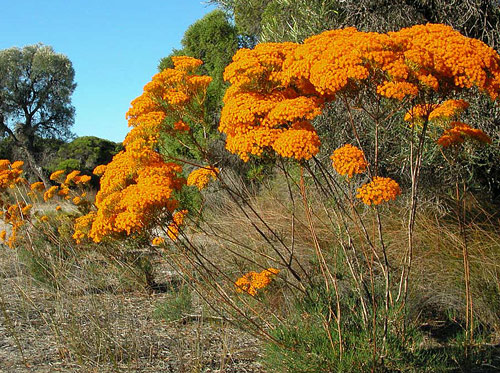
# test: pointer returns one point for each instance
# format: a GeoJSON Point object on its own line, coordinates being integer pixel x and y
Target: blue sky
{"type": "Point", "coordinates": [115, 47]}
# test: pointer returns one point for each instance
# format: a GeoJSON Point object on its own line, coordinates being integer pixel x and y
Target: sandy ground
{"type": "Point", "coordinates": [43, 329]}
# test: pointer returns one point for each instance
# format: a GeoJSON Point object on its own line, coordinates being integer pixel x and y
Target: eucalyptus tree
{"type": "Point", "coordinates": [36, 85]}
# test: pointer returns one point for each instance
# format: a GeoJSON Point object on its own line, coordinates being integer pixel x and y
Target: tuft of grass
{"type": "Point", "coordinates": [178, 304]}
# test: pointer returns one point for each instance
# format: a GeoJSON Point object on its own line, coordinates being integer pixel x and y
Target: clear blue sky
{"type": "Point", "coordinates": [115, 47]}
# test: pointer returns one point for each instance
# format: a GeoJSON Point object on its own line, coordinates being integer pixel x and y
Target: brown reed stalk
{"type": "Point", "coordinates": [323, 265]}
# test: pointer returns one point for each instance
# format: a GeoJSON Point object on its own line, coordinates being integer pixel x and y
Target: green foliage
{"type": "Point", "coordinates": [214, 40]}
{"type": "Point", "coordinates": [68, 165]}
{"type": "Point", "coordinates": [177, 304]}
{"type": "Point", "coordinates": [282, 20]}
{"type": "Point", "coordinates": [36, 85]}
{"type": "Point", "coordinates": [308, 342]}
{"type": "Point", "coordinates": [84, 154]}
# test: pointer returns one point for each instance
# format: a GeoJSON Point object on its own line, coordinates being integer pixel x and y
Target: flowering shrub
{"type": "Point", "coordinates": [277, 90]}
{"type": "Point", "coordinates": [138, 188]}
{"type": "Point", "coordinates": [277, 85]}
{"type": "Point", "coordinates": [16, 193]}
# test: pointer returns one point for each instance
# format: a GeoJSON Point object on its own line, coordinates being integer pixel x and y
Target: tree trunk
{"type": "Point", "coordinates": [25, 138]}
{"type": "Point", "coordinates": [37, 169]}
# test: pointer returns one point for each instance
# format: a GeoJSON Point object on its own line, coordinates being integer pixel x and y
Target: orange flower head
{"type": "Point", "coordinates": [459, 132]}
{"type": "Point", "coordinates": [84, 179]}
{"type": "Point", "coordinates": [72, 176]}
{"type": "Point", "coordinates": [380, 189]}
{"type": "Point", "coordinates": [99, 170]}
{"type": "Point", "coordinates": [448, 109]}
{"type": "Point", "coordinates": [17, 164]}
{"type": "Point", "coordinates": [298, 143]}
{"type": "Point", "coordinates": [50, 193]}
{"type": "Point", "coordinates": [4, 164]}
{"type": "Point", "coordinates": [37, 186]}
{"type": "Point", "coordinates": [202, 176]}
{"type": "Point", "coordinates": [349, 160]}
{"type": "Point", "coordinates": [252, 281]}
{"type": "Point", "coordinates": [56, 175]}
{"type": "Point", "coordinates": [157, 241]}
{"type": "Point", "coordinates": [186, 63]}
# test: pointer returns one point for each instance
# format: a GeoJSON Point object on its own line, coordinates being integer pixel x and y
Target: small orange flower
{"type": "Point", "coordinates": [4, 164]}
{"type": "Point", "coordinates": [252, 281]}
{"type": "Point", "coordinates": [157, 241]}
{"type": "Point", "coordinates": [177, 221]}
{"type": "Point", "coordinates": [26, 209]}
{"type": "Point", "coordinates": [83, 179]}
{"type": "Point", "coordinates": [17, 164]}
{"type": "Point", "coordinates": [99, 170]}
{"type": "Point", "coordinates": [379, 190]}
{"type": "Point", "coordinates": [49, 194]}
{"type": "Point", "coordinates": [202, 176]}
{"type": "Point", "coordinates": [38, 186]}
{"type": "Point", "coordinates": [349, 160]}
{"type": "Point", "coordinates": [72, 176]}
{"type": "Point", "coordinates": [56, 175]}
{"type": "Point", "coordinates": [458, 132]}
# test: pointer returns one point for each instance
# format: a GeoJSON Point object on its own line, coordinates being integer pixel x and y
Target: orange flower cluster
{"type": "Point", "coordinates": [134, 192]}
{"type": "Point", "coordinates": [277, 85]}
{"type": "Point", "coordinates": [138, 187]}
{"type": "Point", "coordinates": [157, 241]}
{"type": "Point", "coordinates": [177, 221]}
{"type": "Point", "coordinates": [202, 176]}
{"type": "Point", "coordinates": [299, 142]}
{"type": "Point", "coordinates": [170, 92]}
{"type": "Point", "coordinates": [446, 110]}
{"type": "Point", "coordinates": [458, 132]}
{"type": "Point", "coordinates": [83, 224]}
{"type": "Point", "coordinates": [260, 113]}
{"type": "Point", "coordinates": [349, 160]}
{"type": "Point", "coordinates": [16, 216]}
{"type": "Point", "coordinates": [17, 213]}
{"type": "Point", "coordinates": [10, 174]}
{"type": "Point", "coordinates": [50, 193]}
{"type": "Point", "coordinates": [449, 109]}
{"type": "Point", "coordinates": [380, 189]}
{"type": "Point", "coordinates": [445, 60]}
{"type": "Point", "coordinates": [253, 281]}
{"type": "Point", "coordinates": [37, 186]}
{"type": "Point", "coordinates": [99, 170]}
{"type": "Point", "coordinates": [56, 175]}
